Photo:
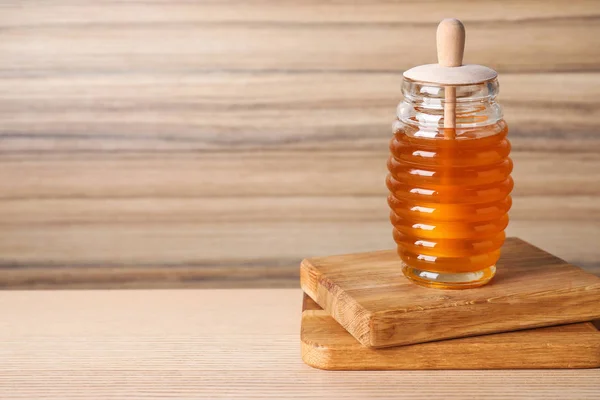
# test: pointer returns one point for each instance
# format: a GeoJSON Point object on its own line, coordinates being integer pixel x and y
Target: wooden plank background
{"type": "Point", "coordinates": [217, 143]}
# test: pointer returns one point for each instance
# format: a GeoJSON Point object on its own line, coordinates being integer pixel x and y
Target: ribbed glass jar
{"type": "Point", "coordinates": [449, 187]}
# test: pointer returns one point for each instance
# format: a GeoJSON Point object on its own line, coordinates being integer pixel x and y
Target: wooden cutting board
{"type": "Point", "coordinates": [327, 345]}
{"type": "Point", "coordinates": [367, 294]}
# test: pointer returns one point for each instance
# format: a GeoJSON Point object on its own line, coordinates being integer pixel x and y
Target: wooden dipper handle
{"type": "Point", "coordinates": [450, 42]}
{"type": "Point", "coordinates": [450, 49]}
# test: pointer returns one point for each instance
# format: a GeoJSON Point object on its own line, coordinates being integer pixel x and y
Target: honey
{"type": "Point", "coordinates": [449, 200]}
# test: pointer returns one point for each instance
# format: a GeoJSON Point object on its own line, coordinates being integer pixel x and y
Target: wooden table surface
{"type": "Point", "coordinates": [217, 143]}
{"type": "Point", "coordinates": [196, 344]}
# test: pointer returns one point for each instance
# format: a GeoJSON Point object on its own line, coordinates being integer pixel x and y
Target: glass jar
{"type": "Point", "coordinates": [449, 187]}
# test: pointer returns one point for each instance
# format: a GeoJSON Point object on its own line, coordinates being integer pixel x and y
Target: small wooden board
{"type": "Point", "coordinates": [369, 296]}
{"type": "Point", "coordinates": [326, 345]}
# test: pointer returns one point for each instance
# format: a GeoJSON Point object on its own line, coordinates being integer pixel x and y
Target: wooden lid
{"type": "Point", "coordinates": [449, 70]}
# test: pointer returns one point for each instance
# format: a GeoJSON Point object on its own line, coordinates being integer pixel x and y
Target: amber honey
{"type": "Point", "coordinates": [449, 199]}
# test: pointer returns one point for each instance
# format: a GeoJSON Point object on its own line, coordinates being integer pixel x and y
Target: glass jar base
{"type": "Point", "coordinates": [442, 280]}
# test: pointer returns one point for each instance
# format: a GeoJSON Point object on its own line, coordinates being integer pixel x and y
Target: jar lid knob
{"type": "Point", "coordinates": [450, 42]}
{"type": "Point", "coordinates": [449, 69]}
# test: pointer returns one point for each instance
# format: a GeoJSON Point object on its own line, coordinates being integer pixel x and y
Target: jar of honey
{"type": "Point", "coordinates": [449, 170]}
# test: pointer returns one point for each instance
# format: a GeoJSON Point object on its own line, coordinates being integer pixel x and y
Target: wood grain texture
{"type": "Point", "coordinates": [102, 221]}
{"type": "Point", "coordinates": [327, 345]}
{"type": "Point", "coordinates": [368, 295]}
{"type": "Point", "coordinates": [250, 44]}
{"type": "Point", "coordinates": [174, 143]}
{"type": "Point", "coordinates": [148, 114]}
{"type": "Point", "coordinates": [158, 344]}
